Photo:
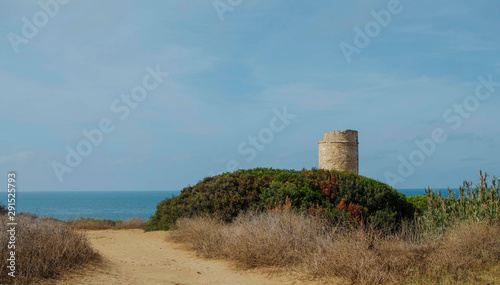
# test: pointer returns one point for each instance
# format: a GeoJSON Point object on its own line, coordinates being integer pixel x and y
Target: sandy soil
{"type": "Point", "coordinates": [135, 257]}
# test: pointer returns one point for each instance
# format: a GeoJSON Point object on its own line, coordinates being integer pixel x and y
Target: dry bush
{"type": "Point", "coordinates": [44, 249]}
{"type": "Point", "coordinates": [273, 239]}
{"type": "Point", "coordinates": [98, 224]}
{"type": "Point", "coordinates": [132, 223]}
{"type": "Point", "coordinates": [366, 256]}
{"type": "Point", "coordinates": [276, 238]}
{"type": "Point", "coordinates": [465, 248]}
{"type": "Point", "coordinates": [203, 234]}
{"type": "Point", "coordinates": [359, 255]}
{"type": "Point", "coordinates": [91, 224]}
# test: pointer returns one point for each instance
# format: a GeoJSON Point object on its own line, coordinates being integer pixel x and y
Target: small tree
{"type": "Point", "coordinates": [3, 210]}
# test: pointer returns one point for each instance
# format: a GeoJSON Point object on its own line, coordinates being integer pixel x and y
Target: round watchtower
{"type": "Point", "coordinates": [339, 150]}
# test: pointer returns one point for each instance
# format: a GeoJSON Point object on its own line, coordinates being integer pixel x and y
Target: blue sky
{"type": "Point", "coordinates": [230, 72]}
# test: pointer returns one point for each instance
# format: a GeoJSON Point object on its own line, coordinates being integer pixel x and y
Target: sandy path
{"type": "Point", "coordinates": [135, 257]}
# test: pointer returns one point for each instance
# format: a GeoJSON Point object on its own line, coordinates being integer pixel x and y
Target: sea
{"type": "Point", "coordinates": [113, 205]}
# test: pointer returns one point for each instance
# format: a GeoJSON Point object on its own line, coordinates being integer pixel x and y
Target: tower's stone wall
{"type": "Point", "coordinates": [339, 150]}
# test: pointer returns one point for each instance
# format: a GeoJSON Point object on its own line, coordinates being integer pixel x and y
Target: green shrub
{"type": "Point", "coordinates": [480, 203]}
{"type": "Point", "coordinates": [3, 210]}
{"type": "Point", "coordinates": [419, 202]}
{"type": "Point", "coordinates": [223, 196]}
{"type": "Point", "coordinates": [333, 195]}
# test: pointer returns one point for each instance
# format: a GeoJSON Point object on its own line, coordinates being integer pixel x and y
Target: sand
{"type": "Point", "coordinates": [135, 257]}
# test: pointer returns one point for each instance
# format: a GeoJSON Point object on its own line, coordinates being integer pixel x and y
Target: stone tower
{"type": "Point", "coordinates": [339, 150]}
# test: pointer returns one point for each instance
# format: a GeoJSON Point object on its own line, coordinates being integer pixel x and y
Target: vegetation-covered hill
{"type": "Point", "coordinates": [333, 195]}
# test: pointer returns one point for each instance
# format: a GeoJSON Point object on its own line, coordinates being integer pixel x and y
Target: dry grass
{"type": "Point", "coordinates": [464, 249]}
{"type": "Point", "coordinates": [253, 239]}
{"type": "Point", "coordinates": [292, 241]}
{"type": "Point", "coordinates": [133, 223]}
{"type": "Point", "coordinates": [44, 249]}
{"type": "Point", "coordinates": [97, 224]}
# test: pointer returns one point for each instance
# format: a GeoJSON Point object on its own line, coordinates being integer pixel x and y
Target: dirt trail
{"type": "Point", "coordinates": [135, 257]}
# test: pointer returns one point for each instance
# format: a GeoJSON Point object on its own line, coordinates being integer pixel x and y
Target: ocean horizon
{"type": "Point", "coordinates": [113, 205]}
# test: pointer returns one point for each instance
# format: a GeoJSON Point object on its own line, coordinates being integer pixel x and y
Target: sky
{"type": "Point", "coordinates": [156, 95]}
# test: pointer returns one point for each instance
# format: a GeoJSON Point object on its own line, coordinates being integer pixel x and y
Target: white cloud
{"type": "Point", "coordinates": [15, 157]}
